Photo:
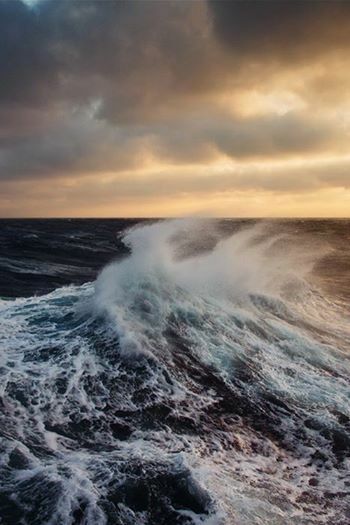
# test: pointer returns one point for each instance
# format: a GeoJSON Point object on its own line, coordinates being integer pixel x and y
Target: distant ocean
{"type": "Point", "coordinates": [182, 372]}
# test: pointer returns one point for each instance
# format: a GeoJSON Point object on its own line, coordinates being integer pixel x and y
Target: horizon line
{"type": "Point", "coordinates": [179, 217]}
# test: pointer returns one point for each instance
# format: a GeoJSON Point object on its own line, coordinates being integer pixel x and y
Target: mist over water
{"type": "Point", "coordinates": [203, 377]}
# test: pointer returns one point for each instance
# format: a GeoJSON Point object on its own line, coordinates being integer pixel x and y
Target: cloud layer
{"type": "Point", "coordinates": [133, 107]}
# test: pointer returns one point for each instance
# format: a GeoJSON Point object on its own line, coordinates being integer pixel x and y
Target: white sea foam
{"type": "Point", "coordinates": [242, 305]}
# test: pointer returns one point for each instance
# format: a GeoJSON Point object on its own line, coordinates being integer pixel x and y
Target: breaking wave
{"type": "Point", "coordinates": [203, 379]}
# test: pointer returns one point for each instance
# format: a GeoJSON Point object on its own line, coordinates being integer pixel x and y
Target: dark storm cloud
{"type": "Point", "coordinates": [96, 86]}
{"type": "Point", "coordinates": [287, 29]}
{"type": "Point", "coordinates": [131, 56]}
{"type": "Point", "coordinates": [27, 66]}
{"type": "Point", "coordinates": [143, 60]}
{"type": "Point", "coordinates": [76, 74]}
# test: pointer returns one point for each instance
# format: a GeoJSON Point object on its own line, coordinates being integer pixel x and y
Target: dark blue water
{"type": "Point", "coordinates": [174, 372]}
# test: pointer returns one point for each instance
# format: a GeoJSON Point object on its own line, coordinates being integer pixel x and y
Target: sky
{"type": "Point", "coordinates": [174, 108]}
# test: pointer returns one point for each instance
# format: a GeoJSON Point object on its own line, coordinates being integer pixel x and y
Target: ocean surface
{"type": "Point", "coordinates": [186, 372]}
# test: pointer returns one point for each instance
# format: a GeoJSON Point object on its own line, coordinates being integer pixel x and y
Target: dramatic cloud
{"type": "Point", "coordinates": [279, 30]}
{"type": "Point", "coordinates": [111, 103]}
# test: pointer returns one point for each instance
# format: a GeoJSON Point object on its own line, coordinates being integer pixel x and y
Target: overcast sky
{"type": "Point", "coordinates": [166, 108]}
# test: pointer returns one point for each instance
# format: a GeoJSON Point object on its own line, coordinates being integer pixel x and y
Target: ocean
{"type": "Point", "coordinates": [186, 372]}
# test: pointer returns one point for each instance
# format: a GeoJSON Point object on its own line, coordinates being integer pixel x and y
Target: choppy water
{"type": "Point", "coordinates": [201, 378]}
